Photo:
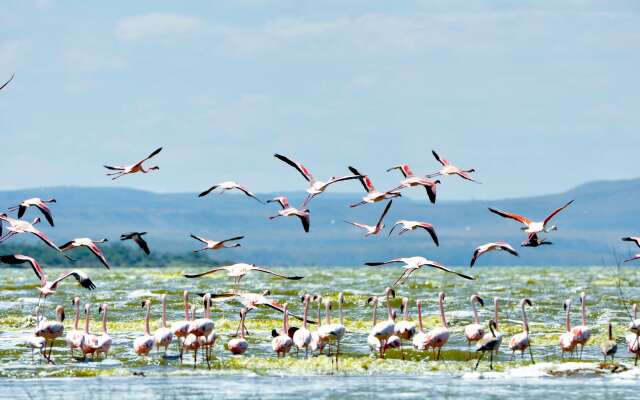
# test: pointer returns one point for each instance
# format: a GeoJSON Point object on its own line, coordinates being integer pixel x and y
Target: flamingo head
{"type": "Point", "coordinates": [527, 302]}
{"type": "Point", "coordinates": [51, 200]}
{"type": "Point", "coordinates": [101, 308]}
{"type": "Point", "coordinates": [154, 168]}
{"type": "Point", "coordinates": [372, 300]}
{"type": "Point", "coordinates": [477, 298]}
{"type": "Point", "coordinates": [60, 312]}
{"type": "Point", "coordinates": [566, 304]}
{"type": "Point", "coordinates": [36, 220]}
{"type": "Point", "coordinates": [266, 292]}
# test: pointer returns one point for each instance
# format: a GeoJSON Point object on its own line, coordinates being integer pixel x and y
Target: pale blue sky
{"type": "Point", "coordinates": [538, 98]}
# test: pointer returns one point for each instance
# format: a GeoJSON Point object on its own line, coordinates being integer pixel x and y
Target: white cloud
{"type": "Point", "coordinates": [157, 24]}
{"type": "Point", "coordinates": [9, 51]}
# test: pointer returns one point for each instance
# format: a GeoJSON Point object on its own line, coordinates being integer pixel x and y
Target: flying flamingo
{"type": "Point", "coordinates": [104, 341]}
{"type": "Point", "coordinates": [529, 225]}
{"type": "Point", "coordinates": [413, 225]}
{"type": "Point", "coordinates": [412, 264]}
{"type": "Point", "coordinates": [122, 170]}
{"type": "Point", "coordinates": [89, 244]}
{"type": "Point", "coordinates": [39, 204]}
{"type": "Point", "coordinates": [282, 343]}
{"type": "Point", "coordinates": [7, 82]}
{"type": "Point", "coordinates": [213, 245]}
{"type": "Point", "coordinates": [383, 330]}
{"type": "Point", "coordinates": [137, 237]}
{"type": "Point", "coordinates": [474, 332]}
{"type": "Point", "coordinates": [51, 330]}
{"type": "Point", "coordinates": [373, 229]}
{"type": "Point", "coordinates": [496, 330]}
{"type": "Point", "coordinates": [180, 329]}
{"type": "Point", "coordinates": [633, 338]}
{"type": "Point", "coordinates": [288, 211]}
{"type": "Point", "coordinates": [492, 246]}
{"type": "Point", "coordinates": [411, 180]}
{"type": "Point", "coordinates": [450, 169]}
{"type": "Point", "coordinates": [230, 185]}
{"type": "Point", "coordinates": [302, 337]}
{"type": "Point", "coordinates": [609, 347]}
{"type": "Point", "coordinates": [238, 271]}
{"type": "Point", "coordinates": [90, 342]}
{"type": "Point", "coordinates": [315, 187]}
{"type": "Point", "coordinates": [520, 342]}
{"type": "Point", "coordinates": [534, 241]}
{"type": "Point", "coordinates": [420, 338]}
{"type": "Point", "coordinates": [17, 226]}
{"type": "Point", "coordinates": [163, 336]}
{"type": "Point", "coordinates": [439, 336]}
{"type": "Point", "coordinates": [75, 337]}
{"type": "Point", "coordinates": [239, 345]}
{"type": "Point", "coordinates": [488, 344]}
{"type": "Point", "coordinates": [373, 196]}
{"type": "Point", "coordinates": [567, 339]}
{"type": "Point", "coordinates": [582, 332]}
{"type": "Point", "coordinates": [405, 329]}
{"type": "Point", "coordinates": [143, 344]}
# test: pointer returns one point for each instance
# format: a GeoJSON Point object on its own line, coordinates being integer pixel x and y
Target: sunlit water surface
{"type": "Point", "coordinates": [261, 374]}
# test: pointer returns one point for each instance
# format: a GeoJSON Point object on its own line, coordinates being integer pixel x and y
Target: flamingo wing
{"type": "Point", "coordinates": [14, 259]}
{"type": "Point", "coordinates": [301, 168]}
{"type": "Point", "coordinates": [508, 248]}
{"type": "Point", "coordinates": [45, 211]}
{"type": "Point", "coordinates": [155, 152]}
{"type": "Point", "coordinates": [7, 82]}
{"type": "Point", "coordinates": [211, 271]}
{"type": "Point", "coordinates": [282, 200]}
{"type": "Point", "coordinates": [206, 192]}
{"type": "Point", "coordinates": [21, 210]}
{"type": "Point", "coordinates": [441, 160]}
{"type": "Point", "coordinates": [465, 175]}
{"type": "Point", "coordinates": [362, 178]}
{"type": "Point", "coordinates": [477, 253]}
{"type": "Point", "coordinates": [248, 193]}
{"type": "Point", "coordinates": [431, 230]}
{"type": "Point", "coordinates": [636, 257]}
{"type": "Point", "coordinates": [304, 218]}
{"type": "Point", "coordinates": [142, 243]}
{"type": "Point", "coordinates": [67, 246]}
{"type": "Point", "coordinates": [441, 267]}
{"type": "Point", "coordinates": [634, 239]}
{"type": "Point", "coordinates": [98, 253]}
{"type": "Point", "coordinates": [81, 277]}
{"type": "Point", "coordinates": [115, 167]}
{"type": "Point", "coordinates": [378, 263]}
{"type": "Point", "coordinates": [504, 214]}
{"type": "Point", "coordinates": [232, 239]}
{"type": "Point", "coordinates": [199, 238]}
{"type": "Point", "coordinates": [553, 214]}
{"type": "Point", "coordinates": [357, 224]}
{"type": "Point", "coordinates": [386, 210]}
{"type": "Point", "coordinates": [266, 271]}
{"type": "Point", "coordinates": [431, 193]}
{"type": "Point", "coordinates": [343, 178]}
{"type": "Point", "coordinates": [48, 241]}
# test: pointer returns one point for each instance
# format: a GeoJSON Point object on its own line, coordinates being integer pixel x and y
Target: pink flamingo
{"type": "Point", "coordinates": [413, 225]}
{"type": "Point", "coordinates": [281, 343]}
{"type": "Point", "coordinates": [230, 185]}
{"type": "Point", "coordinates": [51, 330]}
{"type": "Point", "coordinates": [122, 170]}
{"type": "Point", "coordinates": [316, 342]}
{"type": "Point", "coordinates": [374, 343]}
{"type": "Point", "coordinates": [39, 204]}
{"type": "Point", "coordinates": [143, 344]}
{"type": "Point", "coordinates": [89, 244]}
{"type": "Point", "coordinates": [239, 345]}
{"type": "Point", "coordinates": [214, 245]}
{"type": "Point", "coordinates": [567, 339]}
{"type": "Point", "coordinates": [474, 332]}
{"type": "Point", "coordinates": [163, 336]}
{"type": "Point", "coordinates": [288, 211]}
{"type": "Point", "coordinates": [238, 271]}
{"type": "Point", "coordinates": [534, 241]}
{"type": "Point", "coordinates": [492, 246]}
{"type": "Point", "coordinates": [582, 332]}
{"type": "Point", "coordinates": [75, 337]}
{"type": "Point", "coordinates": [405, 329]}
{"type": "Point", "coordinates": [520, 342]}
{"type": "Point", "coordinates": [192, 343]}
{"type": "Point", "coordinates": [412, 264]}
{"type": "Point", "coordinates": [315, 187]}
{"type": "Point", "coordinates": [496, 331]}
{"type": "Point", "coordinates": [373, 229]}
{"type": "Point", "coordinates": [373, 195]}
{"type": "Point", "coordinates": [18, 226]}
{"type": "Point", "coordinates": [439, 336]}
{"type": "Point", "coordinates": [490, 344]}
{"type": "Point", "coordinates": [90, 342]}
{"type": "Point", "coordinates": [411, 180]}
{"type": "Point", "coordinates": [420, 339]}
{"type": "Point", "coordinates": [302, 337]}
{"type": "Point", "coordinates": [104, 340]}
{"type": "Point", "coordinates": [529, 225]}
{"type": "Point", "coordinates": [180, 329]}
{"type": "Point", "coordinates": [203, 327]}
{"type": "Point", "coordinates": [633, 338]}
{"type": "Point", "coordinates": [450, 169]}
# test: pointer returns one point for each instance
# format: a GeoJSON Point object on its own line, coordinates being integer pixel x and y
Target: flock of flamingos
{"type": "Point", "coordinates": [197, 332]}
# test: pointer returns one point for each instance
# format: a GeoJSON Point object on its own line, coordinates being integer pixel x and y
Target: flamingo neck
{"type": "Point", "coordinates": [327, 310]}
{"type": "Point", "coordinates": [186, 307]}
{"type": "Point", "coordinates": [77, 321]}
{"type": "Point", "coordinates": [284, 321]}
{"type": "Point", "coordinates": [443, 318]}
{"type": "Point", "coordinates": [340, 312]}
{"type": "Point", "coordinates": [374, 318]}
{"type": "Point", "coordinates": [306, 311]}
{"type": "Point", "coordinates": [525, 321]}
{"type": "Point", "coordinates": [390, 314]}
{"type": "Point", "coordinates": [583, 311]}
{"type": "Point", "coordinates": [319, 314]}
{"type": "Point", "coordinates": [205, 313]}
{"type": "Point", "coordinates": [242, 326]}
{"type": "Point", "coordinates": [635, 311]}
{"type": "Point", "coordinates": [86, 320]}
{"type": "Point", "coordinates": [146, 320]}
{"type": "Point", "coordinates": [405, 314]}
{"type": "Point", "coordinates": [610, 332]}
{"type": "Point", "coordinates": [567, 322]}
{"type": "Point", "coordinates": [476, 319]}
{"type": "Point", "coordinates": [420, 317]}
{"type": "Point", "coordinates": [164, 312]}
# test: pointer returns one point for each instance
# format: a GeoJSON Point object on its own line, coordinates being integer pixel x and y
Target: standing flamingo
{"type": "Point", "coordinates": [490, 344]}
{"type": "Point", "coordinates": [51, 330]}
{"type": "Point", "coordinates": [609, 346]}
{"type": "Point", "coordinates": [316, 342]}
{"type": "Point", "coordinates": [37, 203]}
{"type": "Point", "coordinates": [474, 332]}
{"type": "Point", "coordinates": [373, 229]}
{"type": "Point", "coordinates": [496, 328]}
{"type": "Point", "coordinates": [405, 329]}
{"type": "Point", "coordinates": [373, 195]}
{"type": "Point", "coordinates": [567, 339]}
{"type": "Point", "coordinates": [104, 340]}
{"type": "Point", "coordinates": [18, 226]}
{"type": "Point", "coordinates": [420, 339]}
{"type": "Point", "coordinates": [143, 344]}
{"type": "Point", "coordinates": [529, 225]}
{"type": "Point", "coordinates": [37, 342]}
{"type": "Point", "coordinates": [230, 185]}
{"type": "Point", "coordinates": [439, 336]}
{"type": "Point", "coordinates": [75, 337]}
{"type": "Point", "coordinates": [214, 245]}
{"type": "Point", "coordinates": [492, 246]}
{"type": "Point", "coordinates": [333, 332]}
{"type": "Point", "coordinates": [282, 343]}
{"type": "Point", "coordinates": [122, 170]}
{"type": "Point", "coordinates": [239, 345]}
{"type": "Point", "coordinates": [383, 330]}
{"type": "Point", "coordinates": [203, 327]}
{"type": "Point", "coordinates": [288, 211]}
{"type": "Point", "coordinates": [413, 225]}
{"type": "Point", "coordinates": [315, 187]}
{"type": "Point", "coordinates": [163, 336]}
{"type": "Point", "coordinates": [520, 342]}
{"type": "Point", "coordinates": [374, 343]}
{"type": "Point", "coordinates": [191, 343]}
{"type": "Point", "coordinates": [90, 342]}
{"type": "Point", "coordinates": [450, 169]}
{"type": "Point", "coordinates": [89, 244]}
{"type": "Point", "coordinates": [302, 337]}
{"type": "Point", "coordinates": [633, 338]}
{"type": "Point", "coordinates": [582, 332]}
{"type": "Point", "coordinates": [180, 329]}
{"type": "Point", "coordinates": [412, 264]}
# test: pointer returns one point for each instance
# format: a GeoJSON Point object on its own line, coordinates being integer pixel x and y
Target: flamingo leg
{"type": "Point", "coordinates": [6, 236]}
{"type": "Point", "coordinates": [491, 360]}
{"type": "Point", "coordinates": [195, 358]}
{"type": "Point", "coordinates": [479, 358]}
{"type": "Point", "coordinates": [531, 354]}
{"type": "Point", "coordinates": [438, 353]}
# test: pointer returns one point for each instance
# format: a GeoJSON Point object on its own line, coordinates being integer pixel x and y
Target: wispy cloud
{"type": "Point", "coordinates": [156, 25]}
{"type": "Point", "coordinates": [9, 51]}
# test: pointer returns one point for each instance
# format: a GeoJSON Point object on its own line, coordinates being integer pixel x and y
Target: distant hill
{"type": "Point", "coordinates": [602, 213]}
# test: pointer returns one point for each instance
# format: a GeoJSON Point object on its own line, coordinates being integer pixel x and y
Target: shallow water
{"type": "Point", "coordinates": [260, 374]}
